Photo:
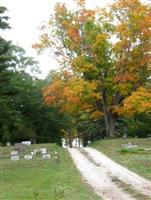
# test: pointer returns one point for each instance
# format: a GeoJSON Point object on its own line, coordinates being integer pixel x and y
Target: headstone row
{"type": "Point", "coordinates": [42, 152]}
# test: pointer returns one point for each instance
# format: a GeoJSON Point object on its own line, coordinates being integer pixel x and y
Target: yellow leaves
{"type": "Point", "coordinates": [138, 102]}
{"type": "Point", "coordinates": [124, 29]}
{"type": "Point", "coordinates": [79, 64]}
{"type": "Point", "coordinates": [65, 24]}
{"type": "Point", "coordinates": [97, 95]}
{"type": "Point", "coordinates": [100, 40]}
{"type": "Point", "coordinates": [60, 9]}
{"type": "Point", "coordinates": [86, 107]}
{"type": "Point", "coordinates": [121, 4]}
{"type": "Point", "coordinates": [96, 115]}
{"type": "Point", "coordinates": [124, 88]}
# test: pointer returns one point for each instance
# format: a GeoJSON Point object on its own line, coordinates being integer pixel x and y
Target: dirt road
{"type": "Point", "coordinates": [98, 170]}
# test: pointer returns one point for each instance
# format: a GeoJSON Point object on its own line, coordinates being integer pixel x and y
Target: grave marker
{"type": "Point", "coordinates": [20, 147]}
{"type": "Point", "coordinates": [28, 157]}
{"type": "Point", "coordinates": [43, 151]}
{"type": "Point", "coordinates": [8, 144]}
{"type": "Point", "coordinates": [46, 156]}
{"type": "Point", "coordinates": [14, 155]}
{"type": "Point", "coordinates": [26, 142]}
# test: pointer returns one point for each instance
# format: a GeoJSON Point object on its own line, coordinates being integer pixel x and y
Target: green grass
{"type": "Point", "coordinates": [135, 161]}
{"type": "Point", "coordinates": [128, 189]}
{"type": "Point", "coordinates": [39, 179]}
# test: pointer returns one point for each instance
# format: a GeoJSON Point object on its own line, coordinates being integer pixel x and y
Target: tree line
{"type": "Point", "coordinates": [23, 115]}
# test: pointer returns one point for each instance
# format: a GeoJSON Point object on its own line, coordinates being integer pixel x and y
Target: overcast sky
{"type": "Point", "coordinates": [26, 16]}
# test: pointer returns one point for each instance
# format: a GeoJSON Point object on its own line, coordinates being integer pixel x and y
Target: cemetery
{"type": "Point", "coordinates": [47, 176]}
{"type": "Point", "coordinates": [22, 151]}
{"type": "Point", "coordinates": [37, 171]}
{"type": "Point", "coordinates": [75, 100]}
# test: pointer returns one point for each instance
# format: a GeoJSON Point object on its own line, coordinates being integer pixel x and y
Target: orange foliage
{"type": "Point", "coordinates": [138, 102]}
{"type": "Point", "coordinates": [125, 77]}
{"type": "Point", "coordinates": [80, 2]}
{"type": "Point", "coordinates": [73, 33]}
{"type": "Point", "coordinates": [70, 94]}
{"type": "Point", "coordinates": [96, 115]}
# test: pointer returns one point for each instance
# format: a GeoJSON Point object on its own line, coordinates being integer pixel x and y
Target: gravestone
{"type": "Point", "coordinates": [14, 158]}
{"type": "Point", "coordinates": [129, 145]}
{"type": "Point", "coordinates": [46, 156]}
{"type": "Point", "coordinates": [35, 151]}
{"type": "Point", "coordinates": [20, 147]}
{"type": "Point", "coordinates": [28, 157]}
{"type": "Point", "coordinates": [14, 155]}
{"type": "Point", "coordinates": [43, 151]}
{"type": "Point", "coordinates": [64, 143]}
{"type": "Point", "coordinates": [8, 144]}
{"type": "Point", "coordinates": [26, 142]}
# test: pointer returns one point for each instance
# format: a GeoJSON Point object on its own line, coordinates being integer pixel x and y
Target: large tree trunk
{"type": "Point", "coordinates": [111, 125]}
{"type": "Point", "coordinates": [110, 121]}
{"type": "Point", "coordinates": [109, 118]}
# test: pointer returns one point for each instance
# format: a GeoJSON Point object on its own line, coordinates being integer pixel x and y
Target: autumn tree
{"type": "Point", "coordinates": [107, 47]}
{"type": "Point", "coordinates": [74, 97]}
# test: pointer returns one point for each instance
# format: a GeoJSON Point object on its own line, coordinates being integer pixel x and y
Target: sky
{"type": "Point", "coordinates": [25, 18]}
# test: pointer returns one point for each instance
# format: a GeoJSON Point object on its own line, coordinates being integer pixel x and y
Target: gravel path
{"type": "Point", "coordinates": [97, 176]}
{"type": "Point", "coordinates": [113, 169]}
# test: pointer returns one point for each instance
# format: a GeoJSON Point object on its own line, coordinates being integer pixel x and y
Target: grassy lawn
{"type": "Point", "coordinates": [138, 162]}
{"type": "Point", "coordinates": [39, 179]}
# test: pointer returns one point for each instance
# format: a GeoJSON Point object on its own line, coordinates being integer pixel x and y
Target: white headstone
{"type": "Point", "coordinates": [28, 157]}
{"type": "Point", "coordinates": [129, 145]}
{"type": "Point", "coordinates": [81, 144]}
{"type": "Point", "coordinates": [13, 153]}
{"type": "Point", "coordinates": [43, 150]}
{"type": "Point", "coordinates": [8, 144]}
{"type": "Point", "coordinates": [26, 142]}
{"type": "Point", "coordinates": [46, 156]}
{"type": "Point", "coordinates": [64, 145]}
{"type": "Point", "coordinates": [15, 157]}
{"type": "Point", "coordinates": [35, 151]}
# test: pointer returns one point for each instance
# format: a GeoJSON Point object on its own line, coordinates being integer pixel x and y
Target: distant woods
{"type": "Point", "coordinates": [23, 115]}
